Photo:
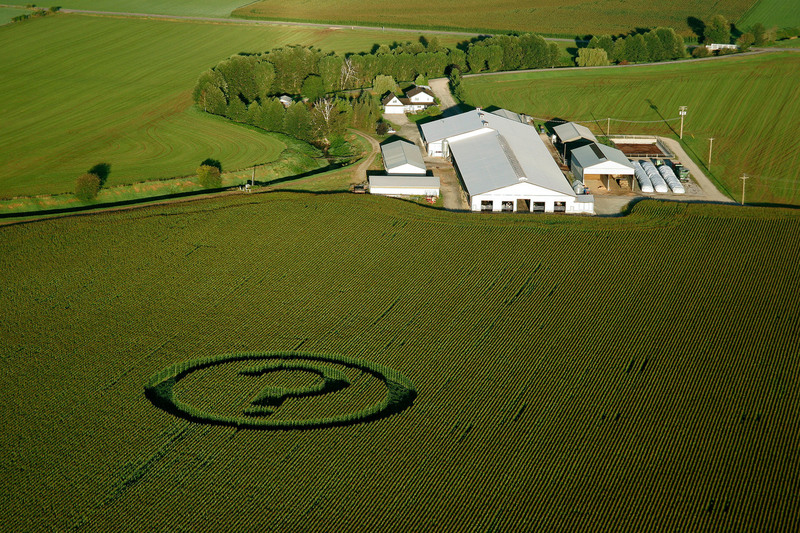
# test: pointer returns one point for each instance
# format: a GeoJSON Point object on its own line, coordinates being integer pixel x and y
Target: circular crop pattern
{"type": "Point", "coordinates": [400, 392]}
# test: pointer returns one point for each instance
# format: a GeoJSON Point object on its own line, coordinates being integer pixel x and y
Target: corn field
{"type": "Point", "coordinates": [568, 374]}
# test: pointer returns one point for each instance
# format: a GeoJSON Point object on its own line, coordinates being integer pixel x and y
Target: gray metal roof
{"type": "Point", "coordinates": [505, 113]}
{"type": "Point", "coordinates": [572, 132]}
{"type": "Point", "coordinates": [404, 181]}
{"type": "Point", "coordinates": [399, 153]}
{"type": "Point", "coordinates": [594, 154]}
{"type": "Point", "coordinates": [501, 152]}
{"type": "Point", "coordinates": [451, 126]}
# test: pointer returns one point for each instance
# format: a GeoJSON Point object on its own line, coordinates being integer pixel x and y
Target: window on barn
{"type": "Point", "coordinates": [508, 206]}
{"type": "Point", "coordinates": [538, 207]}
{"type": "Point", "coordinates": [560, 207]}
{"type": "Point", "coordinates": [487, 205]}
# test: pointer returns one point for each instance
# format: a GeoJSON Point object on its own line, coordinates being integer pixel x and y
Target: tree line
{"type": "Point", "coordinates": [328, 90]}
{"type": "Point", "coordinates": [660, 44]}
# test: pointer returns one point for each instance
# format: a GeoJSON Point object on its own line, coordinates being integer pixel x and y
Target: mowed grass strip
{"type": "Point", "coordinates": [563, 17]}
{"type": "Point", "coordinates": [745, 103]}
{"type": "Point", "coordinates": [575, 373]}
{"type": "Point", "coordinates": [771, 13]}
{"type": "Point", "coordinates": [118, 90]}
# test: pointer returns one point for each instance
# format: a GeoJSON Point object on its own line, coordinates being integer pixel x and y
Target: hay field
{"type": "Point", "coordinates": [119, 91]}
{"type": "Point", "coordinates": [745, 103]}
{"type": "Point", "coordinates": [573, 374]}
{"type": "Point", "coordinates": [771, 13]}
{"type": "Point", "coordinates": [562, 17]}
{"type": "Point", "coordinates": [196, 8]}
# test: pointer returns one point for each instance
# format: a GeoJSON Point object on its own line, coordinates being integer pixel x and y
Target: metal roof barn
{"type": "Point", "coordinates": [402, 157]}
{"type": "Point", "coordinates": [570, 131]}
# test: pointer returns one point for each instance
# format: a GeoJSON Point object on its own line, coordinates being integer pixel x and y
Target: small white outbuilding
{"type": "Point", "coordinates": [404, 185]}
{"type": "Point", "coordinates": [402, 157]}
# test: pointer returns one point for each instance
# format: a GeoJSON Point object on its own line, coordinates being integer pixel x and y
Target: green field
{"type": "Point", "coordinates": [573, 374]}
{"type": "Point", "coordinates": [562, 17]}
{"type": "Point", "coordinates": [8, 13]}
{"type": "Point", "coordinates": [745, 103]}
{"type": "Point", "coordinates": [195, 8]}
{"type": "Point", "coordinates": [772, 13]}
{"type": "Point", "coordinates": [104, 90]}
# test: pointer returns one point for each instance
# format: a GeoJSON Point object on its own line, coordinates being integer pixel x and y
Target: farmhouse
{"type": "Point", "coordinates": [402, 157]}
{"type": "Point", "coordinates": [599, 162]}
{"type": "Point", "coordinates": [503, 163]}
{"type": "Point", "coordinates": [417, 99]}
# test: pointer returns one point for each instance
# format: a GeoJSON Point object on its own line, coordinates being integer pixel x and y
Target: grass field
{"type": "Point", "coordinates": [196, 8]}
{"type": "Point", "coordinates": [745, 103]}
{"type": "Point", "coordinates": [562, 17]}
{"type": "Point", "coordinates": [573, 374]}
{"type": "Point", "coordinates": [771, 13]}
{"type": "Point", "coordinates": [8, 13]}
{"type": "Point", "coordinates": [103, 90]}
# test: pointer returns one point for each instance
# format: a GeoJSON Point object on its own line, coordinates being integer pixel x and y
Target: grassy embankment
{"type": "Point", "coordinates": [650, 385]}
{"type": "Point", "coordinates": [553, 17]}
{"type": "Point", "coordinates": [8, 13]}
{"type": "Point", "coordinates": [745, 103]}
{"type": "Point", "coordinates": [106, 90]}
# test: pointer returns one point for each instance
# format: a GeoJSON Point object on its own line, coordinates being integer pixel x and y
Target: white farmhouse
{"type": "Point", "coordinates": [503, 164]}
{"type": "Point", "coordinates": [417, 99]}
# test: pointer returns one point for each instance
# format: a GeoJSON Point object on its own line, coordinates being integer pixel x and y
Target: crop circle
{"type": "Point", "coordinates": [400, 392]}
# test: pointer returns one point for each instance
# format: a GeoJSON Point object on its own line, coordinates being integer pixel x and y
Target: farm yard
{"type": "Point", "coordinates": [565, 18]}
{"type": "Point", "coordinates": [648, 385]}
{"type": "Point", "coordinates": [743, 102]}
{"type": "Point", "coordinates": [101, 90]}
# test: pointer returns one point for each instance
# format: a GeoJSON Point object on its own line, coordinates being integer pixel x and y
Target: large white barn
{"type": "Point", "coordinates": [503, 163]}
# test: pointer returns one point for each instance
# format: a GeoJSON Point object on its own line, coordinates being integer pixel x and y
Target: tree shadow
{"type": "Point", "coordinates": [101, 170]}
{"type": "Point", "coordinates": [697, 26]}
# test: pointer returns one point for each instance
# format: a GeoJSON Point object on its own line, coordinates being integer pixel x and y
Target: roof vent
{"type": "Point", "coordinates": [523, 178]}
{"type": "Point", "coordinates": [485, 124]}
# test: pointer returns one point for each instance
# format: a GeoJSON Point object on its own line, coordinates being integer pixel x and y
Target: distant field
{"type": "Point", "coordinates": [8, 13]}
{"type": "Point", "coordinates": [568, 17]}
{"type": "Point", "coordinates": [779, 13]}
{"type": "Point", "coordinates": [745, 103]}
{"type": "Point", "coordinates": [573, 374]}
{"type": "Point", "coordinates": [105, 89]}
{"type": "Point", "coordinates": [197, 8]}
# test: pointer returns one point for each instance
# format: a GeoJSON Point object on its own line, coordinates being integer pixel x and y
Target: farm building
{"type": "Point", "coordinates": [599, 162]}
{"type": "Point", "coordinates": [503, 164]}
{"type": "Point", "coordinates": [569, 136]}
{"type": "Point", "coordinates": [404, 185]}
{"type": "Point", "coordinates": [402, 157]}
{"type": "Point", "coordinates": [417, 99]}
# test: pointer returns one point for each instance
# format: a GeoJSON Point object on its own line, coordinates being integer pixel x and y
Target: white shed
{"type": "Point", "coordinates": [402, 157]}
{"type": "Point", "coordinates": [400, 185]}
{"type": "Point", "coordinates": [601, 162]}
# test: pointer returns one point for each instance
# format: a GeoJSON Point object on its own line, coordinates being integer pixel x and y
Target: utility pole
{"type": "Point", "coordinates": [710, 144]}
{"type": "Point", "coordinates": [744, 180]}
{"type": "Point", "coordinates": [682, 111]}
